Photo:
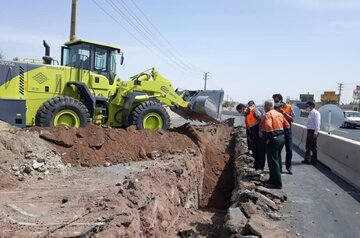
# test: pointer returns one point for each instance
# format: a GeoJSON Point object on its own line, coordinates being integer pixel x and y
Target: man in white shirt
{"type": "Point", "coordinates": [313, 129]}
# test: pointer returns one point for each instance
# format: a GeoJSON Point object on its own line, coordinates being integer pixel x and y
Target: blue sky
{"type": "Point", "coordinates": [251, 48]}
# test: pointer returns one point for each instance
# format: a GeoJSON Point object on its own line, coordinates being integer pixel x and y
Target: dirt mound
{"type": "Point", "coordinates": [97, 146]}
{"type": "Point", "coordinates": [182, 169]}
{"type": "Point", "coordinates": [24, 155]}
{"type": "Point", "coordinates": [215, 144]}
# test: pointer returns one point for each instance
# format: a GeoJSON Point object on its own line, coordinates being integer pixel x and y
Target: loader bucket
{"type": "Point", "coordinates": [203, 105]}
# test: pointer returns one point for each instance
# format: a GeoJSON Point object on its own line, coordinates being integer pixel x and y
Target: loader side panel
{"type": "Point", "coordinates": [13, 111]}
{"type": "Point", "coordinates": [13, 77]}
{"type": "Point", "coordinates": [13, 91]}
{"type": "Point", "coordinates": [44, 83]}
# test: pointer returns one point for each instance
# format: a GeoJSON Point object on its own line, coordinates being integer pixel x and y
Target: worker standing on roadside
{"type": "Point", "coordinates": [289, 114]}
{"type": "Point", "coordinates": [252, 117]}
{"type": "Point", "coordinates": [274, 126]}
{"type": "Point", "coordinates": [313, 129]}
{"type": "Point", "coordinates": [241, 109]}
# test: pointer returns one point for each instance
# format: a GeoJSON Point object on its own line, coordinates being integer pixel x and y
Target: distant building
{"type": "Point", "coordinates": [307, 97]}
{"type": "Point", "coordinates": [290, 101]}
{"type": "Point", "coordinates": [304, 98]}
{"type": "Point", "coordinates": [329, 97]}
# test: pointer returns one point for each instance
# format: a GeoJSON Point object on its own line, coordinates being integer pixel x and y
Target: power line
{"type": "Point", "coordinates": [158, 39]}
{"type": "Point", "coordinates": [134, 26]}
{"type": "Point", "coordinates": [161, 35]}
{"type": "Point", "coordinates": [155, 41]}
{"type": "Point", "coordinates": [159, 52]}
{"type": "Point", "coordinates": [129, 32]}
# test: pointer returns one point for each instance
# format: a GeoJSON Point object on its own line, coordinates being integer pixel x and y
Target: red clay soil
{"type": "Point", "coordinates": [214, 142]}
{"type": "Point", "coordinates": [96, 146]}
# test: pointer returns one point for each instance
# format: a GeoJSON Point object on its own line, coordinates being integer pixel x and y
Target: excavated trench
{"type": "Point", "coordinates": [182, 188]}
{"type": "Point", "coordinates": [217, 146]}
{"type": "Point", "coordinates": [96, 146]}
{"type": "Point", "coordinates": [217, 149]}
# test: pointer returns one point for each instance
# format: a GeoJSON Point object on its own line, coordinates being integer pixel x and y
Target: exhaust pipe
{"type": "Point", "coordinates": [47, 48]}
{"type": "Point", "coordinates": [47, 58]}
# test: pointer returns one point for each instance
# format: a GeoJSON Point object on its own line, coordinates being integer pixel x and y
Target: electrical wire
{"type": "Point", "coordinates": [146, 41]}
{"type": "Point", "coordinates": [130, 33]}
{"type": "Point", "coordinates": [149, 37]}
{"type": "Point", "coordinates": [158, 35]}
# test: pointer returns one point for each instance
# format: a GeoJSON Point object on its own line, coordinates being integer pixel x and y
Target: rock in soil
{"type": "Point", "coordinates": [266, 228]}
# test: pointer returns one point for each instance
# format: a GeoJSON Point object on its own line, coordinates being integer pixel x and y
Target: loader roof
{"type": "Point", "coordinates": [79, 41]}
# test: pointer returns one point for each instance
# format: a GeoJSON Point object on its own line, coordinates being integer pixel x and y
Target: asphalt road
{"type": "Point", "coordinates": [353, 134]}
{"type": "Point", "coordinates": [320, 204]}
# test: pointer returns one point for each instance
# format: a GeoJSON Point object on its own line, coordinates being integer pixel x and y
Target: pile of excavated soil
{"type": "Point", "coordinates": [214, 141]}
{"type": "Point", "coordinates": [97, 146]}
{"type": "Point", "coordinates": [183, 169]}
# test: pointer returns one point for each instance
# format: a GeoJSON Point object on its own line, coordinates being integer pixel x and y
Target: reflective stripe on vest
{"type": "Point", "coordinates": [273, 123]}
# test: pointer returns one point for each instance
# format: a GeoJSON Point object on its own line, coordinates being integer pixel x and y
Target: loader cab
{"type": "Point", "coordinates": [96, 57]}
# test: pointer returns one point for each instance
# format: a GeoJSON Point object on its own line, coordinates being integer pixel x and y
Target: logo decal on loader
{"type": "Point", "coordinates": [40, 78]}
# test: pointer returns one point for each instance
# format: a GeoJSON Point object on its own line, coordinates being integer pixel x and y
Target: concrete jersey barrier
{"type": "Point", "coordinates": [340, 154]}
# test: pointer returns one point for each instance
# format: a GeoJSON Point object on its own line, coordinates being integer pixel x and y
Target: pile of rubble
{"type": "Point", "coordinates": [254, 209]}
{"type": "Point", "coordinates": [25, 155]}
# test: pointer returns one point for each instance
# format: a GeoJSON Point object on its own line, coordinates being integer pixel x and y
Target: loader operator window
{"type": "Point", "coordinates": [79, 56]}
{"type": "Point", "coordinates": [100, 60]}
{"type": "Point", "coordinates": [112, 67]}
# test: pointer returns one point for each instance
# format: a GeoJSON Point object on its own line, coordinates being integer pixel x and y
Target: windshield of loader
{"type": "Point", "coordinates": [78, 56]}
{"type": "Point", "coordinates": [99, 59]}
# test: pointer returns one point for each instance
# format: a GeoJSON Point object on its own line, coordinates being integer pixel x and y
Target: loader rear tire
{"type": "Point", "coordinates": [150, 116]}
{"type": "Point", "coordinates": [62, 110]}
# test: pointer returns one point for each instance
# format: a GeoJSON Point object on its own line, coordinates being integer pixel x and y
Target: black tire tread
{"type": "Point", "coordinates": [144, 108]}
{"type": "Point", "coordinates": [46, 113]}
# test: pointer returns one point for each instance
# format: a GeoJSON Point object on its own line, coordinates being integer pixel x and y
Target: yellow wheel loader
{"type": "Point", "coordinates": [84, 88]}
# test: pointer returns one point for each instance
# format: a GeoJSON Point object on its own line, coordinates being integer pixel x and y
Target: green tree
{"type": "Point", "coordinates": [1, 55]}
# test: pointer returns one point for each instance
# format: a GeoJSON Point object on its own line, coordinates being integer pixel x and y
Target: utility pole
{"type": "Point", "coordinates": [73, 21]}
{"type": "Point", "coordinates": [206, 78]}
{"type": "Point", "coordinates": [340, 87]}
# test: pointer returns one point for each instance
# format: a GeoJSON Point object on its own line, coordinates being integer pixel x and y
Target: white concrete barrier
{"type": "Point", "coordinates": [340, 154]}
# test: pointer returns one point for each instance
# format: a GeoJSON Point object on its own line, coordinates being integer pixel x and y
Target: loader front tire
{"type": "Point", "coordinates": [150, 116]}
{"type": "Point", "coordinates": [62, 110]}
